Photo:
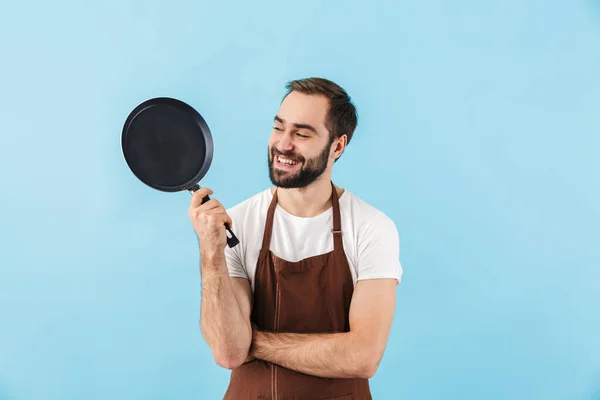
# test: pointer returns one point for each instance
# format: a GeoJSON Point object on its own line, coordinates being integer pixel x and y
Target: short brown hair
{"type": "Point", "coordinates": [342, 117]}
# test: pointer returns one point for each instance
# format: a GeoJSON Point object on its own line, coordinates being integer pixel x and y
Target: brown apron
{"type": "Point", "coordinates": [308, 296]}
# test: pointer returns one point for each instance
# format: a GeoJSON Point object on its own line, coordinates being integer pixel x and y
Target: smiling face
{"type": "Point", "coordinates": [301, 148]}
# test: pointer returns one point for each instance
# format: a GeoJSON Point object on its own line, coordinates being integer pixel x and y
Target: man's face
{"type": "Point", "coordinates": [299, 147]}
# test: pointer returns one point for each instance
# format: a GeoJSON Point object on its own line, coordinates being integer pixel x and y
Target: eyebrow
{"type": "Point", "coordinates": [298, 126]}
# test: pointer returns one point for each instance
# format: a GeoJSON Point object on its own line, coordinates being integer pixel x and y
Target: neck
{"type": "Point", "coordinates": [308, 201]}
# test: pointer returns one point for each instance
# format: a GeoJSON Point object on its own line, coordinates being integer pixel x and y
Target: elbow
{"type": "Point", "coordinates": [229, 362]}
{"type": "Point", "coordinates": [368, 370]}
{"type": "Point", "coordinates": [231, 358]}
{"type": "Point", "coordinates": [229, 354]}
{"type": "Point", "coordinates": [369, 364]}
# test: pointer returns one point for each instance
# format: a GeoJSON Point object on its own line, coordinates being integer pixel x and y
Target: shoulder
{"type": "Point", "coordinates": [248, 217]}
{"type": "Point", "coordinates": [251, 211]}
{"type": "Point", "coordinates": [374, 240]}
{"type": "Point", "coordinates": [256, 200]}
{"type": "Point", "coordinates": [365, 216]}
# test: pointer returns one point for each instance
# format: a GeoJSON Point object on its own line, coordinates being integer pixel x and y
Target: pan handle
{"type": "Point", "coordinates": [232, 240]}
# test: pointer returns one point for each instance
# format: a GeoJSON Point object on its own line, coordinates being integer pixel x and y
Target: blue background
{"type": "Point", "coordinates": [479, 135]}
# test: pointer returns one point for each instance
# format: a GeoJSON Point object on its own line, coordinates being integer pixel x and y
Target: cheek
{"type": "Point", "coordinates": [272, 141]}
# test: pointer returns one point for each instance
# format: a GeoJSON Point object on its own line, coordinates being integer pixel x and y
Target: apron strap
{"type": "Point", "coordinates": [337, 221]}
{"type": "Point", "coordinates": [269, 224]}
{"type": "Point", "coordinates": [337, 224]}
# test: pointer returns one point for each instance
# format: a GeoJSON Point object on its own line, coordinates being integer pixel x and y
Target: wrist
{"type": "Point", "coordinates": [257, 345]}
{"type": "Point", "coordinates": [212, 255]}
{"type": "Point", "coordinates": [213, 264]}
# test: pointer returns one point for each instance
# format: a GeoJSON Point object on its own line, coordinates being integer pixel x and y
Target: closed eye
{"type": "Point", "coordinates": [297, 134]}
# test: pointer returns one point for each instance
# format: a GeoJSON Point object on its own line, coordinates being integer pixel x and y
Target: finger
{"type": "Point", "coordinates": [196, 206]}
{"type": "Point", "coordinates": [210, 205]}
{"type": "Point", "coordinates": [220, 216]}
{"type": "Point", "coordinates": [198, 195]}
{"type": "Point", "coordinates": [213, 205]}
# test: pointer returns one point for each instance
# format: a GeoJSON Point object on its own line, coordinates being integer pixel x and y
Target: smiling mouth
{"type": "Point", "coordinates": [285, 163]}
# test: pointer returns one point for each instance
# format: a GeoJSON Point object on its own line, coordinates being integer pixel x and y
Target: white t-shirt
{"type": "Point", "coordinates": [371, 240]}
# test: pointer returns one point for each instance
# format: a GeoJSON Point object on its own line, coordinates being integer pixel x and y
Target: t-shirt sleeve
{"type": "Point", "coordinates": [378, 250]}
{"type": "Point", "coordinates": [233, 256]}
{"type": "Point", "coordinates": [235, 266]}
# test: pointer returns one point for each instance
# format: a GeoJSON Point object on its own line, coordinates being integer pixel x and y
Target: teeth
{"type": "Point", "coordinates": [286, 161]}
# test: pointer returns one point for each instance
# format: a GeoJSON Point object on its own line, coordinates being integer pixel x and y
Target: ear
{"type": "Point", "coordinates": [338, 146]}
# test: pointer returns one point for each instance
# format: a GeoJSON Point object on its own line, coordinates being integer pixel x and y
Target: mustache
{"type": "Point", "coordinates": [287, 154]}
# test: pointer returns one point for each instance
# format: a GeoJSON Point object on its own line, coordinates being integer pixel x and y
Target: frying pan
{"type": "Point", "coordinates": [169, 147]}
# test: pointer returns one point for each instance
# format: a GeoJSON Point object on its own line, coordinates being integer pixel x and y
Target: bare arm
{"type": "Point", "coordinates": [338, 355]}
{"type": "Point", "coordinates": [225, 313]}
{"type": "Point", "coordinates": [225, 303]}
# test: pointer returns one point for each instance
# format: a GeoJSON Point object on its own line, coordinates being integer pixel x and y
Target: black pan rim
{"type": "Point", "coordinates": [198, 119]}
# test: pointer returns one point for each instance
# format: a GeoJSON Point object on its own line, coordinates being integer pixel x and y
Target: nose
{"type": "Point", "coordinates": [285, 142]}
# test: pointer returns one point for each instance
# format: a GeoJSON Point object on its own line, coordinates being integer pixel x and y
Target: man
{"type": "Point", "coordinates": [303, 306]}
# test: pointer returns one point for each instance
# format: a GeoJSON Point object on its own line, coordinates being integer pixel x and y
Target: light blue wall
{"type": "Point", "coordinates": [479, 135]}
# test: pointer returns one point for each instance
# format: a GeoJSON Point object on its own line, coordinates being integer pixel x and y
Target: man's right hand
{"type": "Point", "coordinates": [209, 221]}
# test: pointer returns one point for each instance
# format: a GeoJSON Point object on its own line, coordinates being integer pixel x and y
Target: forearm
{"type": "Point", "coordinates": [224, 327]}
{"type": "Point", "coordinates": [334, 355]}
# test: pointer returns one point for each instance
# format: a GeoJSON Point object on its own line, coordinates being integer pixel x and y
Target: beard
{"type": "Point", "coordinates": [309, 171]}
